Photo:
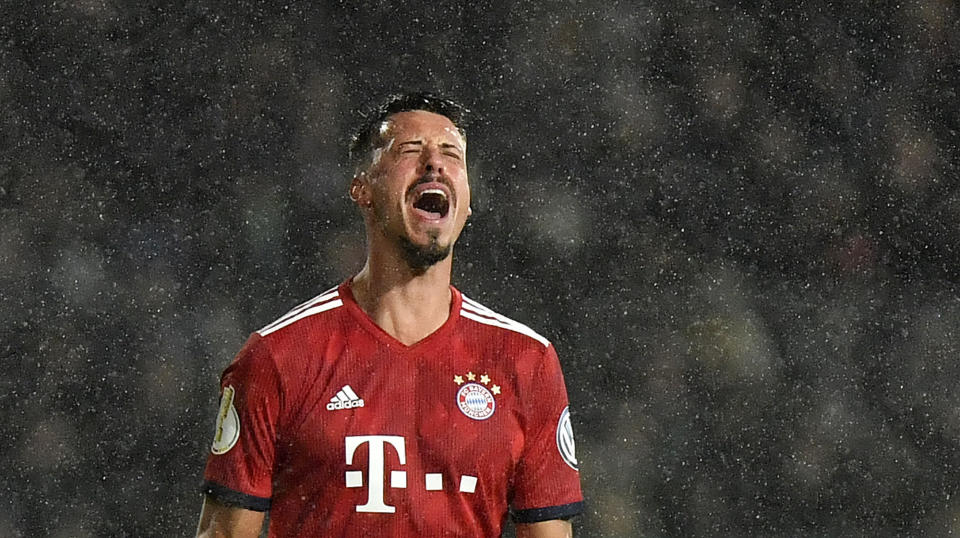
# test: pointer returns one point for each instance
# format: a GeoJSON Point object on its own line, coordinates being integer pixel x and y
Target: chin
{"type": "Point", "coordinates": [421, 257]}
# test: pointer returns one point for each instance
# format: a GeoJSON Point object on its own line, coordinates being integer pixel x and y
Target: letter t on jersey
{"type": "Point", "coordinates": [375, 469]}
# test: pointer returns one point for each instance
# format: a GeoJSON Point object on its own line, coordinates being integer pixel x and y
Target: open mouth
{"type": "Point", "coordinates": [434, 202]}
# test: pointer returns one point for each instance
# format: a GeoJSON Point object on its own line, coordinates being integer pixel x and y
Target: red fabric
{"type": "Point", "coordinates": [293, 449]}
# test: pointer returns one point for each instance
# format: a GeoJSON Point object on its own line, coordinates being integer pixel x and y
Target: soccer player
{"type": "Point", "coordinates": [393, 405]}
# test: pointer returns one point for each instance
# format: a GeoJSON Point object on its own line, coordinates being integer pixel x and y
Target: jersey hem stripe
{"type": "Point", "coordinates": [536, 515]}
{"type": "Point", "coordinates": [235, 498]}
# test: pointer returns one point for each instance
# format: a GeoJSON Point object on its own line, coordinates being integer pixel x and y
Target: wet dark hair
{"type": "Point", "coordinates": [367, 136]}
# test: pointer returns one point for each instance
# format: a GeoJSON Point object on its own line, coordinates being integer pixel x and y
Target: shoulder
{"type": "Point", "coordinates": [278, 349]}
{"type": "Point", "coordinates": [476, 312]}
{"type": "Point", "coordinates": [325, 302]}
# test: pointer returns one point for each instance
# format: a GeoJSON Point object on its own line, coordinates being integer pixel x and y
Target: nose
{"type": "Point", "coordinates": [431, 160]}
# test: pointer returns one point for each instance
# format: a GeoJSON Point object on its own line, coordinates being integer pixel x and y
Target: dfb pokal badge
{"type": "Point", "coordinates": [476, 401]}
{"type": "Point", "coordinates": [228, 423]}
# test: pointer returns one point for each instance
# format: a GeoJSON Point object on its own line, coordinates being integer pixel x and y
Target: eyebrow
{"type": "Point", "coordinates": [419, 143]}
{"type": "Point", "coordinates": [449, 145]}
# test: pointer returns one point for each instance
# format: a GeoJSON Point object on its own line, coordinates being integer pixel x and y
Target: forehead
{"type": "Point", "coordinates": [420, 124]}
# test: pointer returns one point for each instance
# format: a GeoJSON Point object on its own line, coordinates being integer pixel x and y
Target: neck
{"type": "Point", "coordinates": [408, 305]}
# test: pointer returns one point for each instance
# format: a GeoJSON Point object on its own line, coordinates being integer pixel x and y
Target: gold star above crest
{"type": "Point", "coordinates": [471, 376]}
{"type": "Point", "coordinates": [458, 379]}
{"type": "Point", "coordinates": [484, 379]}
{"type": "Point", "coordinates": [495, 389]}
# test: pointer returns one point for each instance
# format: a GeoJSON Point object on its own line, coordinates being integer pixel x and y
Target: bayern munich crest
{"type": "Point", "coordinates": [476, 401]}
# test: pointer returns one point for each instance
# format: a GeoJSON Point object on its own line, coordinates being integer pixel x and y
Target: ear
{"type": "Point", "coordinates": [359, 192]}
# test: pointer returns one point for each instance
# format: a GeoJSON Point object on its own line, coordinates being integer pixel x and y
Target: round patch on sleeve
{"type": "Point", "coordinates": [228, 424]}
{"type": "Point", "coordinates": [565, 442]}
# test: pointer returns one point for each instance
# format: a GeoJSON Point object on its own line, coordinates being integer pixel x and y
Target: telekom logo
{"type": "Point", "coordinates": [377, 472]}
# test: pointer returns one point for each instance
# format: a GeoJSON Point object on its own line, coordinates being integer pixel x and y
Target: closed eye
{"type": "Point", "coordinates": [412, 146]}
{"type": "Point", "coordinates": [451, 150]}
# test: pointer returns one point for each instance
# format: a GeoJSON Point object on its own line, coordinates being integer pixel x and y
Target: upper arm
{"type": "Point", "coordinates": [218, 520]}
{"type": "Point", "coordinates": [554, 528]}
{"type": "Point", "coordinates": [547, 482]}
{"type": "Point", "coordinates": [241, 459]}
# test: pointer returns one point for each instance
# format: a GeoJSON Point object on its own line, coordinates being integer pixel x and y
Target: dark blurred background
{"type": "Point", "coordinates": [738, 223]}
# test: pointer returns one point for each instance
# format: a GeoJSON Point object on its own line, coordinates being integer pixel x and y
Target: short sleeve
{"type": "Point", "coordinates": [240, 465]}
{"type": "Point", "coordinates": [547, 482]}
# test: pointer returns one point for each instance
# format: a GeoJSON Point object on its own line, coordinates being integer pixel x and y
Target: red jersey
{"type": "Point", "coordinates": [338, 429]}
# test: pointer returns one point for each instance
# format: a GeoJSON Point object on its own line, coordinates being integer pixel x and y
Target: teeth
{"type": "Point", "coordinates": [434, 191]}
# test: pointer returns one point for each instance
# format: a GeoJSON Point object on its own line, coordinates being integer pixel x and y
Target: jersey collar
{"type": "Point", "coordinates": [439, 335]}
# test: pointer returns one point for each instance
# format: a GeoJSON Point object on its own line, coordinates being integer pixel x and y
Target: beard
{"type": "Point", "coordinates": [421, 257]}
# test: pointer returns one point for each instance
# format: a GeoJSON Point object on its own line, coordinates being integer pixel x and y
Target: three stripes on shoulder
{"type": "Point", "coordinates": [469, 309]}
{"type": "Point", "coordinates": [327, 300]}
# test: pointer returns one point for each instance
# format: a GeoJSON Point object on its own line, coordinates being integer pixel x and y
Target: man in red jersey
{"type": "Point", "coordinates": [392, 405]}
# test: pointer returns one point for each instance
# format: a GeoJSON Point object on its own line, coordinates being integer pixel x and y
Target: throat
{"type": "Point", "coordinates": [411, 324]}
{"type": "Point", "coordinates": [409, 313]}
{"type": "Point", "coordinates": [409, 336]}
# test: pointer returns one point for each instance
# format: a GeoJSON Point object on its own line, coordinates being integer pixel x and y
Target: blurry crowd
{"type": "Point", "coordinates": [737, 222]}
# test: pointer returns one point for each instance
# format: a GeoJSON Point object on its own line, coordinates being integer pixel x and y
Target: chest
{"type": "Point", "coordinates": [439, 419]}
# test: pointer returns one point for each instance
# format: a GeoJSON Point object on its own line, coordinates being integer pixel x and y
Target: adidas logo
{"type": "Point", "coordinates": [345, 399]}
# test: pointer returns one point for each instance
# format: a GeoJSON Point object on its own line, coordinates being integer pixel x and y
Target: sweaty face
{"type": "Point", "coordinates": [419, 190]}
